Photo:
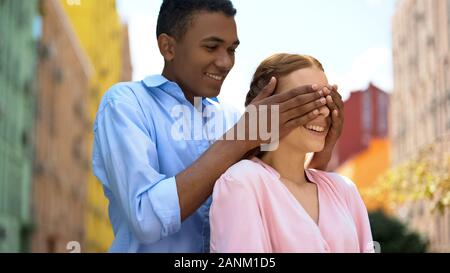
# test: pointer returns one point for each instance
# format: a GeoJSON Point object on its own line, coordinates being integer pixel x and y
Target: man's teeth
{"type": "Point", "coordinates": [216, 77]}
{"type": "Point", "coordinates": [315, 128]}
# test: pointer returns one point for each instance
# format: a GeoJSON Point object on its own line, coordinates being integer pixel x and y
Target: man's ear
{"type": "Point", "coordinates": [166, 46]}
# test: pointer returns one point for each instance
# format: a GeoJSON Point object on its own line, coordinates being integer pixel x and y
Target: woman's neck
{"type": "Point", "coordinates": [290, 165]}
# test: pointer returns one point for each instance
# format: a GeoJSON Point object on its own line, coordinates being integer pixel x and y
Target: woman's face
{"type": "Point", "coordinates": [311, 137]}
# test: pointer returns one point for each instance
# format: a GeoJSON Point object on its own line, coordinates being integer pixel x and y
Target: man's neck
{"type": "Point", "coordinates": [168, 74]}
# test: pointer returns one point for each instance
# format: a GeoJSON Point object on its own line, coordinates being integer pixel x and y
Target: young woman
{"type": "Point", "coordinates": [271, 203]}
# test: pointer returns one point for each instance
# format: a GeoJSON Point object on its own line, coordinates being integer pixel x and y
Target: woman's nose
{"type": "Point", "coordinates": [324, 111]}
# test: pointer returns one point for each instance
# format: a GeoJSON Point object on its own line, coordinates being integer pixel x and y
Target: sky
{"type": "Point", "coordinates": [351, 38]}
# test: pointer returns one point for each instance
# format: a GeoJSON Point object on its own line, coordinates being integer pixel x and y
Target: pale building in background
{"type": "Point", "coordinates": [420, 103]}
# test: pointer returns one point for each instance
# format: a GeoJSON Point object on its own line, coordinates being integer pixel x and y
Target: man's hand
{"type": "Point", "coordinates": [336, 106]}
{"type": "Point", "coordinates": [296, 108]}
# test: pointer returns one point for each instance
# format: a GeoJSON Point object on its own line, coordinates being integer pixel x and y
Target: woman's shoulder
{"type": "Point", "coordinates": [249, 174]}
{"type": "Point", "coordinates": [339, 182]}
{"type": "Point", "coordinates": [241, 180]}
{"type": "Point", "coordinates": [342, 180]}
{"type": "Point", "coordinates": [243, 170]}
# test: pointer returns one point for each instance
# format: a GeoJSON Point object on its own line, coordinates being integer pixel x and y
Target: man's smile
{"type": "Point", "coordinates": [215, 76]}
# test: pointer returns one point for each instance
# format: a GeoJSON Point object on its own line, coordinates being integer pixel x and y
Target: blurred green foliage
{"type": "Point", "coordinates": [394, 236]}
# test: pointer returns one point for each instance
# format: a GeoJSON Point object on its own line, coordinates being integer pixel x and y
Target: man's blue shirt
{"type": "Point", "coordinates": [145, 133]}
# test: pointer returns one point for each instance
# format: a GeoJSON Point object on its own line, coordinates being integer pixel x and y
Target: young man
{"type": "Point", "coordinates": [158, 186]}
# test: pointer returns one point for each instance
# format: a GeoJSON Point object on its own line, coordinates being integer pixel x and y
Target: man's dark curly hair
{"type": "Point", "coordinates": [176, 15]}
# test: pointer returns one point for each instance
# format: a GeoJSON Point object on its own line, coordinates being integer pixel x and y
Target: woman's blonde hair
{"type": "Point", "coordinates": [278, 65]}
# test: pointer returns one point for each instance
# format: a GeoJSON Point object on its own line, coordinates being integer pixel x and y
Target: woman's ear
{"type": "Point", "coordinates": [166, 46]}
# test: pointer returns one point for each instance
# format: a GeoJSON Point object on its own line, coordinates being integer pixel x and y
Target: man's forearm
{"type": "Point", "coordinates": [195, 184]}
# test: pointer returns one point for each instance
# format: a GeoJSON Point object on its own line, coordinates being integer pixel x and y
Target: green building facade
{"type": "Point", "coordinates": [18, 20]}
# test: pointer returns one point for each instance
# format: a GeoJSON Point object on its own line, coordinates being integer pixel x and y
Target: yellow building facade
{"type": "Point", "coordinates": [98, 27]}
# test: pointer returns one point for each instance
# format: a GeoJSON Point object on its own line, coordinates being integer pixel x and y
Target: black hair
{"type": "Point", "coordinates": [175, 15]}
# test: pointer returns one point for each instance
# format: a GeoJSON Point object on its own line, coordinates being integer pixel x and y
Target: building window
{"type": "Point", "coordinates": [448, 18]}
{"type": "Point", "coordinates": [77, 148]}
{"type": "Point", "coordinates": [37, 28]}
{"type": "Point", "coordinates": [51, 244]}
{"type": "Point", "coordinates": [366, 116]}
{"type": "Point", "coordinates": [2, 112]}
{"type": "Point", "coordinates": [2, 233]}
{"type": "Point", "coordinates": [52, 113]}
{"type": "Point", "coordinates": [383, 103]}
{"type": "Point", "coordinates": [78, 109]}
{"type": "Point", "coordinates": [57, 75]}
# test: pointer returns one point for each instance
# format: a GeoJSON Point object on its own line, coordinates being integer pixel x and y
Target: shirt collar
{"type": "Point", "coordinates": [161, 82]}
{"type": "Point", "coordinates": [155, 80]}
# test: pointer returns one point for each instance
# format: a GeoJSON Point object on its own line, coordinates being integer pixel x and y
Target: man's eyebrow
{"type": "Point", "coordinates": [219, 40]}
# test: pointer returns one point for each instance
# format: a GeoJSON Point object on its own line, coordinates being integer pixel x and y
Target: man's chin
{"type": "Point", "coordinates": [210, 93]}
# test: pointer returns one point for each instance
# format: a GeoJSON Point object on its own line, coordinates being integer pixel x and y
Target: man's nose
{"type": "Point", "coordinates": [224, 61]}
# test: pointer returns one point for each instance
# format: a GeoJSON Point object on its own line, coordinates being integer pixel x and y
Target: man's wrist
{"type": "Point", "coordinates": [232, 141]}
{"type": "Point", "coordinates": [240, 147]}
{"type": "Point", "coordinates": [321, 159]}
{"type": "Point", "coordinates": [328, 149]}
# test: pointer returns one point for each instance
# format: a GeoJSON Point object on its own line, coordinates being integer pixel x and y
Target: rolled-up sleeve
{"type": "Point", "coordinates": [126, 162]}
